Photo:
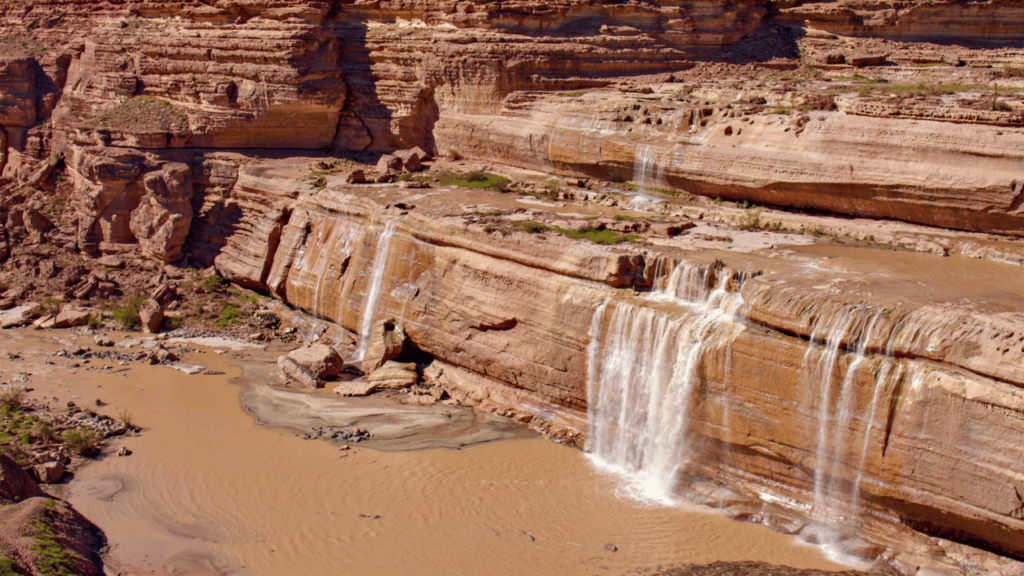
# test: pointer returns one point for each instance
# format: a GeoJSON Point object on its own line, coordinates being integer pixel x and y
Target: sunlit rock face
{"type": "Point", "coordinates": [864, 410]}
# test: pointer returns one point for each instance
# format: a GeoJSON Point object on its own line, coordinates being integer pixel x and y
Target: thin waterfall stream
{"type": "Point", "coordinates": [380, 259]}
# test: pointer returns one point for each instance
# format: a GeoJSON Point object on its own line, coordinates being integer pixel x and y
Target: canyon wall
{"type": "Point", "coordinates": [99, 82]}
{"type": "Point", "coordinates": [905, 411]}
{"type": "Point", "coordinates": [803, 393]}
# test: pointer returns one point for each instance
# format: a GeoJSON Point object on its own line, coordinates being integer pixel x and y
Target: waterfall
{"type": "Point", "coordinates": [644, 363]}
{"type": "Point", "coordinates": [380, 260]}
{"type": "Point", "coordinates": [833, 333]}
{"type": "Point", "coordinates": [647, 171]}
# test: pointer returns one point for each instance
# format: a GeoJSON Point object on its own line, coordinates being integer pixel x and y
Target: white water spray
{"type": "Point", "coordinates": [380, 260]}
{"type": "Point", "coordinates": [644, 368]}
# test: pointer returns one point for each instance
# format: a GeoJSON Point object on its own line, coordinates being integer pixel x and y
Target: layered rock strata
{"type": "Point", "coordinates": [508, 320]}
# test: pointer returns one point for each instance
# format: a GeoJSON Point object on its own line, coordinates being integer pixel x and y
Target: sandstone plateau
{"type": "Point", "coordinates": [589, 202]}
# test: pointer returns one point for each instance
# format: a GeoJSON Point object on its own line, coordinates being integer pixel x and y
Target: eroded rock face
{"type": "Point", "coordinates": [161, 222]}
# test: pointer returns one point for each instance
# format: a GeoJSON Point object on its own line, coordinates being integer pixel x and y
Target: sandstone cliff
{"type": "Point", "coordinates": [155, 115]}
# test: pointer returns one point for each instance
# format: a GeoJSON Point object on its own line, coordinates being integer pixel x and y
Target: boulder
{"type": "Point", "coordinates": [421, 154]}
{"type": "Point", "coordinates": [867, 59]}
{"type": "Point", "coordinates": [44, 322]}
{"type": "Point", "coordinates": [103, 340]}
{"type": "Point", "coordinates": [389, 164]}
{"type": "Point", "coordinates": [835, 58]}
{"type": "Point", "coordinates": [356, 177]}
{"type": "Point", "coordinates": [162, 220]}
{"type": "Point", "coordinates": [309, 366]}
{"type": "Point", "coordinates": [410, 160]}
{"type": "Point", "coordinates": [151, 315]}
{"type": "Point", "coordinates": [70, 317]}
{"type": "Point", "coordinates": [394, 375]}
{"type": "Point", "coordinates": [49, 472]}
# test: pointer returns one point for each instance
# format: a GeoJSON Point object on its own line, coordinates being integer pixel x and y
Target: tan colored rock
{"type": "Point", "coordinates": [49, 472]}
{"type": "Point", "coordinates": [356, 177]}
{"type": "Point", "coordinates": [70, 317]}
{"type": "Point", "coordinates": [151, 315]}
{"type": "Point", "coordinates": [309, 366]}
{"type": "Point", "coordinates": [389, 164]}
{"type": "Point", "coordinates": [867, 59]}
{"type": "Point", "coordinates": [394, 375]}
{"type": "Point", "coordinates": [19, 316]}
{"type": "Point", "coordinates": [356, 387]}
{"type": "Point", "coordinates": [161, 222]}
{"type": "Point", "coordinates": [410, 160]}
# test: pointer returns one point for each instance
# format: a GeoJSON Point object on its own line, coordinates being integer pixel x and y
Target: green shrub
{"type": "Point", "coordinates": [12, 398]}
{"type": "Point", "coordinates": [213, 283]}
{"type": "Point", "coordinates": [229, 316]}
{"type": "Point", "coordinates": [751, 219]}
{"type": "Point", "coordinates": [82, 440]}
{"type": "Point", "coordinates": [532, 227]}
{"type": "Point", "coordinates": [475, 179]}
{"type": "Point", "coordinates": [128, 315]}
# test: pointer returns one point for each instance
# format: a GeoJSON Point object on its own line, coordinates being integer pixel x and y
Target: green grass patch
{"type": "Point", "coordinates": [607, 237]}
{"type": "Point", "coordinates": [575, 94]}
{"type": "Point", "coordinates": [53, 559]}
{"type": "Point", "coordinates": [532, 227]}
{"type": "Point", "coordinates": [475, 180]}
{"type": "Point", "coordinates": [229, 316]}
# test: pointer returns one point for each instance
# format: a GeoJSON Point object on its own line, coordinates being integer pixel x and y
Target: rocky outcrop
{"type": "Point", "coordinates": [162, 220]}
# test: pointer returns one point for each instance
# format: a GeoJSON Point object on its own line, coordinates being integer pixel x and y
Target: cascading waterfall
{"type": "Point", "coordinates": [647, 170]}
{"type": "Point", "coordinates": [643, 370]}
{"type": "Point", "coordinates": [380, 260]}
{"type": "Point", "coordinates": [853, 327]}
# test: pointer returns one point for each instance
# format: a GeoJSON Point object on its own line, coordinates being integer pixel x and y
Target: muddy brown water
{"type": "Point", "coordinates": [207, 490]}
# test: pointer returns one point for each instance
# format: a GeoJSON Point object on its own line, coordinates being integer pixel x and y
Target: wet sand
{"type": "Point", "coordinates": [209, 491]}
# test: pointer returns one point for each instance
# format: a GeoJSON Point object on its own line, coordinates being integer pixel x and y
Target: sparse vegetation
{"type": "Point", "coordinates": [229, 316]}
{"type": "Point", "coordinates": [11, 398]}
{"type": "Point", "coordinates": [213, 283]}
{"type": "Point", "coordinates": [125, 417]}
{"type": "Point", "coordinates": [597, 236]}
{"type": "Point", "coordinates": [532, 227]}
{"type": "Point", "coordinates": [82, 440]}
{"type": "Point", "coordinates": [475, 179]}
{"type": "Point", "coordinates": [54, 559]}
{"type": "Point", "coordinates": [128, 314]}
{"type": "Point", "coordinates": [751, 219]}
{"type": "Point", "coordinates": [454, 155]}
{"type": "Point", "coordinates": [143, 114]}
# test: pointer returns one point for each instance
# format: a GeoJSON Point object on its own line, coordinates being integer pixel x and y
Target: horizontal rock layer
{"type": "Point", "coordinates": [933, 443]}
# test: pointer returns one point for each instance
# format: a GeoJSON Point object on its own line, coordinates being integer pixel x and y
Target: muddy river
{"type": "Point", "coordinates": [208, 490]}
